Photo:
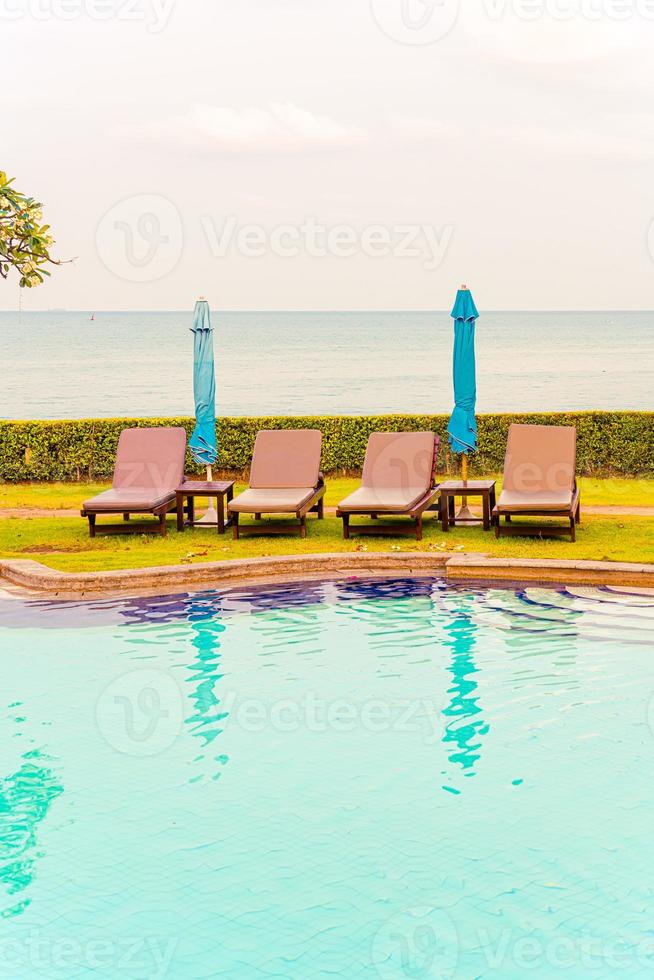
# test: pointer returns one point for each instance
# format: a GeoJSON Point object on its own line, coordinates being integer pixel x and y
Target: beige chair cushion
{"type": "Point", "coordinates": [541, 461]}
{"type": "Point", "coordinates": [386, 500]}
{"type": "Point", "coordinates": [397, 473]}
{"type": "Point", "coordinates": [513, 500]}
{"type": "Point", "coordinates": [127, 501]}
{"type": "Point", "coordinates": [285, 458]}
{"type": "Point", "coordinates": [399, 460]}
{"type": "Point", "coordinates": [271, 501]}
{"type": "Point", "coordinates": [149, 467]}
{"type": "Point", "coordinates": [150, 459]}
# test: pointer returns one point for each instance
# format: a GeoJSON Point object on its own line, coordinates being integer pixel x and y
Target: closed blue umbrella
{"type": "Point", "coordinates": [203, 441]}
{"type": "Point", "coordinates": [462, 429]}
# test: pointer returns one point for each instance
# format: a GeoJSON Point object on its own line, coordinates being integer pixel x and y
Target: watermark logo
{"type": "Point", "coordinates": [39, 954]}
{"type": "Point", "coordinates": [419, 717]}
{"type": "Point", "coordinates": [563, 11]}
{"type": "Point", "coordinates": [315, 239]}
{"type": "Point", "coordinates": [578, 955]}
{"type": "Point", "coordinates": [423, 943]}
{"type": "Point", "coordinates": [141, 238]}
{"type": "Point", "coordinates": [415, 22]}
{"type": "Point", "coordinates": [418, 943]}
{"type": "Point", "coordinates": [154, 14]}
{"type": "Point", "coordinates": [141, 713]}
{"type": "Point", "coordinates": [422, 22]}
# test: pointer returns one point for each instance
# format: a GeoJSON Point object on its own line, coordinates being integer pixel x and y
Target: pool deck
{"type": "Point", "coordinates": [478, 568]}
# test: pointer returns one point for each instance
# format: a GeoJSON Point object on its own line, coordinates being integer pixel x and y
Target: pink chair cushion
{"type": "Point", "coordinates": [150, 459]}
{"type": "Point", "coordinates": [285, 458]}
{"type": "Point", "coordinates": [399, 460]}
{"type": "Point", "coordinates": [541, 460]}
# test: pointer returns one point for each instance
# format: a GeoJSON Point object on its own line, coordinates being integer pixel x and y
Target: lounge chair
{"type": "Point", "coordinates": [285, 478]}
{"type": "Point", "coordinates": [539, 480]}
{"type": "Point", "coordinates": [149, 467]}
{"type": "Point", "coordinates": [398, 479]}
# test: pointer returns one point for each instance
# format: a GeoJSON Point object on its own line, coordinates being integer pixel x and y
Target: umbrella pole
{"type": "Point", "coordinates": [465, 514]}
{"type": "Point", "coordinates": [211, 516]}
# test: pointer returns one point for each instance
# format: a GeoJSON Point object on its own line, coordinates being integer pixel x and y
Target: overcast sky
{"type": "Point", "coordinates": [335, 154]}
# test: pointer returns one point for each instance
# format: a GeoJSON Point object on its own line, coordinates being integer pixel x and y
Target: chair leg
{"type": "Point", "coordinates": [257, 517]}
{"type": "Point", "coordinates": [321, 508]}
{"type": "Point", "coordinates": [508, 518]}
{"type": "Point", "coordinates": [487, 512]}
{"type": "Point", "coordinates": [346, 526]}
{"type": "Point", "coordinates": [419, 527]}
{"type": "Point", "coordinates": [162, 525]}
{"type": "Point", "coordinates": [235, 517]}
{"type": "Point", "coordinates": [497, 528]}
{"type": "Point", "coordinates": [573, 532]}
{"type": "Point", "coordinates": [578, 513]}
{"type": "Point", "coordinates": [125, 517]}
{"type": "Point", "coordinates": [91, 525]}
{"type": "Point", "coordinates": [303, 526]}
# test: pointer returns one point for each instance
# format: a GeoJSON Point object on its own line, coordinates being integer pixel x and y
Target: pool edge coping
{"type": "Point", "coordinates": [33, 576]}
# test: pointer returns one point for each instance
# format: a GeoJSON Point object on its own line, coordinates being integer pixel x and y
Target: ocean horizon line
{"type": "Point", "coordinates": [295, 312]}
{"type": "Point", "coordinates": [322, 363]}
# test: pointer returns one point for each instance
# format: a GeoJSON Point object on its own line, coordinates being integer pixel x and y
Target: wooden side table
{"type": "Point", "coordinates": [471, 488]}
{"type": "Point", "coordinates": [190, 489]}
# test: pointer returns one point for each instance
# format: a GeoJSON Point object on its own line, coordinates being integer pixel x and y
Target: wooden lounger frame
{"type": "Point", "coordinates": [143, 527]}
{"type": "Point", "coordinates": [415, 512]}
{"type": "Point", "coordinates": [571, 513]}
{"type": "Point", "coordinates": [414, 526]}
{"type": "Point", "coordinates": [314, 505]}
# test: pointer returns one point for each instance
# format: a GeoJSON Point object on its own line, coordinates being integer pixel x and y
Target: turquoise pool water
{"type": "Point", "coordinates": [359, 779]}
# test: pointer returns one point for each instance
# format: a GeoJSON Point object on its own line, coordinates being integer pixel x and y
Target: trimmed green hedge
{"type": "Point", "coordinates": [609, 443]}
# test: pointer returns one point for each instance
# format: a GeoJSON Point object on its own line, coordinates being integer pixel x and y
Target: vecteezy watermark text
{"type": "Point", "coordinates": [424, 943]}
{"type": "Point", "coordinates": [38, 954]}
{"type": "Point", "coordinates": [566, 953]}
{"type": "Point", "coordinates": [141, 239]}
{"type": "Point", "coordinates": [317, 240]}
{"type": "Point", "coordinates": [567, 10]}
{"type": "Point", "coordinates": [154, 14]}
{"type": "Point", "coordinates": [142, 712]}
{"type": "Point", "coordinates": [313, 713]}
{"type": "Point", "coordinates": [419, 22]}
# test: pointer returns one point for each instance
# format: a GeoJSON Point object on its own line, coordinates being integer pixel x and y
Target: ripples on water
{"type": "Point", "coordinates": [353, 778]}
{"type": "Point", "coordinates": [322, 363]}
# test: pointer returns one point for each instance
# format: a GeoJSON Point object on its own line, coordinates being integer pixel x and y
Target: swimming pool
{"type": "Point", "coordinates": [357, 778]}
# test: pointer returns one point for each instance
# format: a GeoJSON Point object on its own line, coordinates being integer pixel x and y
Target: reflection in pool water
{"type": "Point", "coordinates": [205, 723]}
{"type": "Point", "coordinates": [277, 783]}
{"type": "Point", "coordinates": [26, 796]}
{"type": "Point", "coordinates": [465, 725]}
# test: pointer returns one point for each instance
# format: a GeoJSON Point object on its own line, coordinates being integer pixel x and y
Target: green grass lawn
{"type": "Point", "coordinates": [63, 543]}
{"type": "Point", "coordinates": [67, 496]}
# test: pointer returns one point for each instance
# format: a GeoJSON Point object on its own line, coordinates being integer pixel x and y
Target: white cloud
{"type": "Point", "coordinates": [281, 125]}
{"type": "Point", "coordinates": [533, 105]}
